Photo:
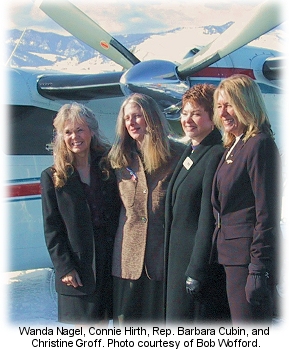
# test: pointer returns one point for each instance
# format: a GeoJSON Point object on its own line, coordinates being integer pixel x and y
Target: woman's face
{"type": "Point", "coordinates": [77, 137]}
{"type": "Point", "coordinates": [227, 114]}
{"type": "Point", "coordinates": [135, 122]}
{"type": "Point", "coordinates": [195, 122]}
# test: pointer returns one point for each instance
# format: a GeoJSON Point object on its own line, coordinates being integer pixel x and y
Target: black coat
{"type": "Point", "coordinates": [69, 231]}
{"type": "Point", "coordinates": [189, 224]}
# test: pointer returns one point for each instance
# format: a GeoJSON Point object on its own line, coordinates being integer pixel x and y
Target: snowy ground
{"type": "Point", "coordinates": [32, 300]}
{"type": "Point", "coordinates": [31, 297]}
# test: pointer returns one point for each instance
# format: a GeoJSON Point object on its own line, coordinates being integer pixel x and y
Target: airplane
{"type": "Point", "coordinates": [34, 98]}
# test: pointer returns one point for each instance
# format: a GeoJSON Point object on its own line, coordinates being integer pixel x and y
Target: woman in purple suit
{"type": "Point", "coordinates": [246, 199]}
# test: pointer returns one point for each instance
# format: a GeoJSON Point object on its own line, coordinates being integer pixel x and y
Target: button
{"type": "Point", "coordinates": [144, 191]}
{"type": "Point", "coordinates": [143, 219]}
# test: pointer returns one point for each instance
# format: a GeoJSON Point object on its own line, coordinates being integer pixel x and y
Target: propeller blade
{"type": "Point", "coordinates": [264, 18]}
{"type": "Point", "coordinates": [84, 28]}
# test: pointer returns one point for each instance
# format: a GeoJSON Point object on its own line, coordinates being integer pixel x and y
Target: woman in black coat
{"type": "Point", "coordinates": [80, 204]}
{"type": "Point", "coordinates": [195, 290]}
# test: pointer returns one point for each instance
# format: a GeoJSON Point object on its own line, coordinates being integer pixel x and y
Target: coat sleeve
{"type": "Point", "coordinates": [199, 260]}
{"type": "Point", "coordinates": [265, 175]}
{"type": "Point", "coordinates": [54, 228]}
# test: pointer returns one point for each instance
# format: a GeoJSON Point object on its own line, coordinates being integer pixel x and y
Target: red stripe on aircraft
{"type": "Point", "coordinates": [23, 190]}
{"type": "Point", "coordinates": [216, 72]}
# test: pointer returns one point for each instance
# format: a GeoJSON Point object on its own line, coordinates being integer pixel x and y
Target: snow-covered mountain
{"type": "Point", "coordinates": [66, 53]}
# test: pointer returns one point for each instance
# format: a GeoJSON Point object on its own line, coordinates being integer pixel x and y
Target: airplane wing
{"type": "Point", "coordinates": [264, 18]}
{"type": "Point", "coordinates": [84, 28]}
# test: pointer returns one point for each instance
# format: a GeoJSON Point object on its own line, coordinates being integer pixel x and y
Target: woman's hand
{"type": "Point", "coordinates": [257, 290]}
{"type": "Point", "coordinates": [192, 286]}
{"type": "Point", "coordinates": [72, 279]}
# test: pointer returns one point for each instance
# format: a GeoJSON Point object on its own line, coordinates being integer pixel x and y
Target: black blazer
{"type": "Point", "coordinates": [68, 227]}
{"type": "Point", "coordinates": [189, 221]}
{"type": "Point", "coordinates": [246, 198]}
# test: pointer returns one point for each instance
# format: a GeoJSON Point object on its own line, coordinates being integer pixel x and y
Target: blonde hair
{"type": "Point", "coordinates": [155, 148]}
{"type": "Point", "coordinates": [63, 157]}
{"type": "Point", "coordinates": [247, 101]}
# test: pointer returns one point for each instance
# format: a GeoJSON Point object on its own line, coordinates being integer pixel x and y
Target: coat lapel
{"type": "Point", "coordinates": [213, 138]}
{"type": "Point", "coordinates": [186, 166]}
{"type": "Point", "coordinates": [235, 151]}
{"type": "Point", "coordinates": [179, 165]}
{"type": "Point", "coordinates": [195, 156]}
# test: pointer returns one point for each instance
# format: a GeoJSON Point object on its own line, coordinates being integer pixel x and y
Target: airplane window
{"type": "Point", "coordinates": [30, 130]}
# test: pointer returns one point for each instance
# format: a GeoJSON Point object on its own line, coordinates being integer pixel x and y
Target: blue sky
{"type": "Point", "coordinates": [133, 16]}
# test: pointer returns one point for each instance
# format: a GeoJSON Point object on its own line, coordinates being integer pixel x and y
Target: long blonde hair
{"type": "Point", "coordinates": [155, 147]}
{"type": "Point", "coordinates": [63, 158]}
{"type": "Point", "coordinates": [247, 101]}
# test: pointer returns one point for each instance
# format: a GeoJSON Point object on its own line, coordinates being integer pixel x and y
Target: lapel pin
{"type": "Point", "coordinates": [187, 163]}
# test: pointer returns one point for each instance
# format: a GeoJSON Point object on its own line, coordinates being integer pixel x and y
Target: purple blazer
{"type": "Point", "coordinates": [246, 200]}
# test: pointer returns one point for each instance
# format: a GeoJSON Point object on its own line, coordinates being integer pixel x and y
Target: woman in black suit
{"type": "Point", "coordinates": [80, 214]}
{"type": "Point", "coordinates": [247, 200]}
{"type": "Point", "coordinates": [195, 290]}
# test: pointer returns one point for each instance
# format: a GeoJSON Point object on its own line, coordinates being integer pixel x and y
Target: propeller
{"type": "Point", "coordinates": [264, 18]}
{"type": "Point", "coordinates": [84, 28]}
{"type": "Point", "coordinates": [165, 81]}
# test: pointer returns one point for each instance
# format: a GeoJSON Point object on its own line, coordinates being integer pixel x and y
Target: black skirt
{"type": "Point", "coordinates": [138, 300]}
{"type": "Point", "coordinates": [99, 305]}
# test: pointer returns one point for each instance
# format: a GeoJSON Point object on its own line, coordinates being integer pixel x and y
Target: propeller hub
{"type": "Point", "coordinates": [156, 78]}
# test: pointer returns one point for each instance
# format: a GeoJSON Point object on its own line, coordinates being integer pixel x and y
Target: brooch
{"type": "Point", "coordinates": [134, 176]}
